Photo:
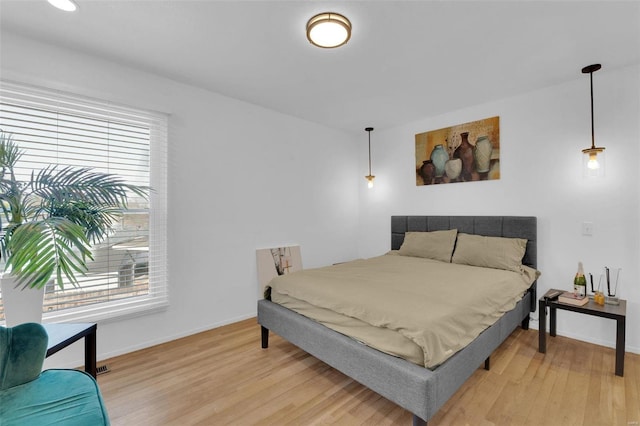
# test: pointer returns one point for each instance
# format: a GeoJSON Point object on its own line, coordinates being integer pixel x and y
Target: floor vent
{"type": "Point", "coordinates": [102, 369]}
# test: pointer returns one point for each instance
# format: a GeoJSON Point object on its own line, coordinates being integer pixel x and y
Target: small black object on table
{"type": "Point", "coordinates": [63, 335]}
{"type": "Point", "coordinates": [615, 312]}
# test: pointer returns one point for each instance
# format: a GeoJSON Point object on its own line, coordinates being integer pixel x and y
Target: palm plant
{"type": "Point", "coordinates": [49, 222]}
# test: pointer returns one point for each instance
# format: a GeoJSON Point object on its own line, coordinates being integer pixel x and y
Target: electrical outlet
{"type": "Point", "coordinates": [587, 228]}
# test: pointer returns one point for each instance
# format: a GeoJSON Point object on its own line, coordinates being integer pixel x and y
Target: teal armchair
{"type": "Point", "coordinates": [31, 397]}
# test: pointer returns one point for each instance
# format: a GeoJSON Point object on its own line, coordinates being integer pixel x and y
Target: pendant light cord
{"type": "Point", "coordinates": [593, 138]}
{"type": "Point", "coordinates": [591, 69]}
{"type": "Point", "coordinates": [369, 131]}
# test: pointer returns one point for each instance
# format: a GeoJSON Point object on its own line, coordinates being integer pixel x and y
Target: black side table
{"type": "Point", "coordinates": [62, 335]}
{"type": "Point", "coordinates": [615, 312]}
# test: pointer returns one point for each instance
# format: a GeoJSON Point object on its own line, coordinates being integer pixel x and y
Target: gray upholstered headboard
{"type": "Point", "coordinates": [492, 226]}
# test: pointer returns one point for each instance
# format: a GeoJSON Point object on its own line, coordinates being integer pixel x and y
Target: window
{"type": "Point", "coordinates": [128, 272]}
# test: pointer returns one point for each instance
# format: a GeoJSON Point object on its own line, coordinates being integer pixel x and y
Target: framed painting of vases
{"type": "Point", "coordinates": [463, 153]}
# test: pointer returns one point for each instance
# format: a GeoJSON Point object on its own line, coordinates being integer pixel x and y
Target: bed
{"type": "Point", "coordinates": [420, 390]}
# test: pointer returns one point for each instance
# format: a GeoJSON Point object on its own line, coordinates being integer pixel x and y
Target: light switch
{"type": "Point", "coordinates": [587, 228]}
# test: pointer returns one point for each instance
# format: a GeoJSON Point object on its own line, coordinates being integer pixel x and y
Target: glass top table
{"type": "Point", "coordinates": [63, 335]}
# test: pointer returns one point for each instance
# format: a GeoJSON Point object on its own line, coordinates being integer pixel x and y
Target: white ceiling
{"type": "Point", "coordinates": [406, 60]}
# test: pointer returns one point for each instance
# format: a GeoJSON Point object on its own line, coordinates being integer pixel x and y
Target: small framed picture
{"type": "Point", "coordinates": [276, 261]}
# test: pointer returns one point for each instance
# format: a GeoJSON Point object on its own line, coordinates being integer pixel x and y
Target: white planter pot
{"type": "Point", "coordinates": [20, 306]}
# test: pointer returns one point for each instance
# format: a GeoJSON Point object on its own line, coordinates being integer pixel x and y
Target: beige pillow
{"type": "Point", "coordinates": [490, 252]}
{"type": "Point", "coordinates": [437, 245]}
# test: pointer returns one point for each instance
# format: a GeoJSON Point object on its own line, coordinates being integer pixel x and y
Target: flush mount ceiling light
{"type": "Point", "coordinates": [593, 166]}
{"type": "Point", "coordinates": [328, 30]}
{"type": "Point", "coordinates": [66, 5]}
{"type": "Point", "coordinates": [369, 177]}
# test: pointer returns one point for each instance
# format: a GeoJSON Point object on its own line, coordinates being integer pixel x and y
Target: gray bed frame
{"type": "Point", "coordinates": [417, 389]}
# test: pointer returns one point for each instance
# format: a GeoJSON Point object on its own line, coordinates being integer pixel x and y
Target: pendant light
{"type": "Point", "coordinates": [328, 30]}
{"type": "Point", "coordinates": [594, 166]}
{"type": "Point", "coordinates": [369, 177]}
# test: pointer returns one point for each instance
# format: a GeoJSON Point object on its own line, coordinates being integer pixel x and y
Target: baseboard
{"type": "Point", "coordinates": [588, 339]}
{"type": "Point", "coordinates": [103, 356]}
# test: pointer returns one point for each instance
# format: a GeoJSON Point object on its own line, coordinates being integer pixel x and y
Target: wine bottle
{"type": "Point", "coordinates": [580, 282]}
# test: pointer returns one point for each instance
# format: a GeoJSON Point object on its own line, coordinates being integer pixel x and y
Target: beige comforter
{"type": "Point", "coordinates": [441, 307]}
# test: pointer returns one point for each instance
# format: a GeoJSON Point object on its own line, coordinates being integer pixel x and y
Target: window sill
{"type": "Point", "coordinates": [107, 312]}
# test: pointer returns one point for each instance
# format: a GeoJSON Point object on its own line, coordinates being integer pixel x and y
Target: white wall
{"type": "Point", "coordinates": [260, 178]}
{"type": "Point", "coordinates": [241, 177]}
{"type": "Point", "coordinates": [541, 137]}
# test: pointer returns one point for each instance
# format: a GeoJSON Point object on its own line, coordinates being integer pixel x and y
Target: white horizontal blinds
{"type": "Point", "coordinates": [129, 267]}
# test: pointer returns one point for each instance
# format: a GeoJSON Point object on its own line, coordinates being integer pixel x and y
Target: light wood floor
{"type": "Point", "coordinates": [223, 377]}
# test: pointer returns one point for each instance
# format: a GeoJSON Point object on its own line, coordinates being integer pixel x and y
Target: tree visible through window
{"type": "Point", "coordinates": [128, 269]}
